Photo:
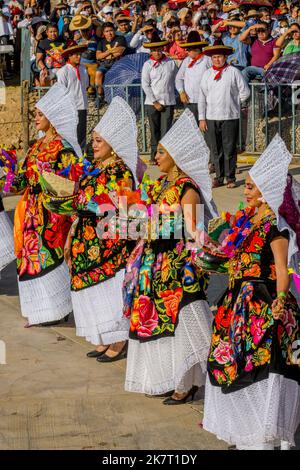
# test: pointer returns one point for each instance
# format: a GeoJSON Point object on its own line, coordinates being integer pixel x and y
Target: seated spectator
{"type": "Point", "coordinates": [252, 18]}
{"type": "Point", "coordinates": [186, 21]}
{"type": "Point", "coordinates": [174, 49]}
{"type": "Point", "coordinates": [264, 51]}
{"type": "Point", "coordinates": [124, 28]}
{"type": "Point", "coordinates": [265, 15]}
{"type": "Point", "coordinates": [239, 58]}
{"type": "Point", "coordinates": [282, 25]}
{"type": "Point", "coordinates": [282, 7]}
{"type": "Point", "coordinates": [290, 40]}
{"type": "Point", "coordinates": [109, 49]}
{"type": "Point", "coordinates": [46, 59]}
{"type": "Point", "coordinates": [59, 11]}
{"type": "Point", "coordinates": [143, 36]}
{"type": "Point", "coordinates": [293, 15]}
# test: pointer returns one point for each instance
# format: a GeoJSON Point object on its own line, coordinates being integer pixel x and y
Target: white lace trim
{"type": "Point", "coordinates": [6, 241]}
{"type": "Point", "coordinates": [172, 363]}
{"type": "Point", "coordinates": [46, 298]}
{"type": "Point", "coordinates": [98, 312]}
{"type": "Point", "coordinates": [265, 412]}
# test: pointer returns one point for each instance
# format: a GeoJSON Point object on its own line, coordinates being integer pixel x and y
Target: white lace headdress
{"type": "Point", "coordinates": [118, 128]}
{"type": "Point", "coordinates": [269, 173]}
{"type": "Point", "coordinates": [59, 108]}
{"type": "Point", "coordinates": [186, 145]}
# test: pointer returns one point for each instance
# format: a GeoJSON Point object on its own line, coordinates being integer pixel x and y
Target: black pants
{"type": "Point", "coordinates": [193, 107]}
{"type": "Point", "coordinates": [81, 128]}
{"type": "Point", "coordinates": [221, 138]}
{"type": "Point", "coordinates": [160, 122]}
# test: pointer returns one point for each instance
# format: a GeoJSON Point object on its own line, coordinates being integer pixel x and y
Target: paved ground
{"type": "Point", "coordinates": [53, 397]}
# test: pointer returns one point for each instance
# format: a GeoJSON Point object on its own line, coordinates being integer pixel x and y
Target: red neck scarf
{"type": "Point", "coordinates": [76, 67]}
{"type": "Point", "coordinates": [156, 63]}
{"type": "Point", "coordinates": [220, 70]}
{"type": "Point", "coordinates": [193, 61]}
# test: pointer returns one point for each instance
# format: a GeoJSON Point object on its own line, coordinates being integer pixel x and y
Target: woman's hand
{"type": "Point", "coordinates": [278, 308]}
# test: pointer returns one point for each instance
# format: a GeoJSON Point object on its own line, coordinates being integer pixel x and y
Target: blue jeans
{"type": "Point", "coordinates": [249, 73]}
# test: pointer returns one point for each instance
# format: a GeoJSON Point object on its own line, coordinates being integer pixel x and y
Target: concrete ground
{"type": "Point", "coordinates": [54, 397]}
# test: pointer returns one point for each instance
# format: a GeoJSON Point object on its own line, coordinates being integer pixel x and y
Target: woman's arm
{"type": "Point", "coordinates": [279, 247]}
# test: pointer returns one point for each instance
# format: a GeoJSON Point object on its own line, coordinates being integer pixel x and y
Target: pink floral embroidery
{"type": "Point", "coordinates": [289, 321]}
{"type": "Point", "coordinates": [256, 329]}
{"type": "Point", "coordinates": [30, 254]}
{"type": "Point", "coordinates": [249, 364]}
{"type": "Point", "coordinates": [223, 353]}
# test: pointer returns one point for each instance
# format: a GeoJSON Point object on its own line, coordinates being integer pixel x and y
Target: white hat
{"type": "Point", "coordinates": [186, 145]}
{"type": "Point", "coordinates": [59, 108]}
{"type": "Point", "coordinates": [269, 172]}
{"type": "Point", "coordinates": [118, 128]}
{"type": "Point", "coordinates": [107, 10]}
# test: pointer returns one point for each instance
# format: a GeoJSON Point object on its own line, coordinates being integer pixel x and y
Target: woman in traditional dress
{"type": "Point", "coordinates": [40, 235]}
{"type": "Point", "coordinates": [164, 294]}
{"type": "Point", "coordinates": [6, 238]}
{"type": "Point", "coordinates": [97, 263]}
{"type": "Point", "coordinates": [252, 396]}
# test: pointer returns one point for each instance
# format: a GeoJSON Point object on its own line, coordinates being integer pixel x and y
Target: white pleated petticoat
{"type": "Point", "coordinates": [6, 240]}
{"type": "Point", "coordinates": [266, 412]}
{"type": "Point", "coordinates": [46, 298]}
{"type": "Point", "coordinates": [172, 363]}
{"type": "Point", "coordinates": [98, 312]}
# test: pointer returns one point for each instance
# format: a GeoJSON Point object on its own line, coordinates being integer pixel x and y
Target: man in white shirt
{"type": "Point", "coordinates": [222, 90]}
{"type": "Point", "coordinates": [75, 78]}
{"type": "Point", "coordinates": [191, 71]}
{"type": "Point", "coordinates": [158, 83]}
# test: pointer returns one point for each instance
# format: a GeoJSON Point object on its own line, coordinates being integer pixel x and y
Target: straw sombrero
{"type": "Point", "coordinates": [73, 47]}
{"type": "Point", "coordinates": [156, 41]}
{"type": "Point", "coordinates": [80, 22]}
{"type": "Point", "coordinates": [218, 50]}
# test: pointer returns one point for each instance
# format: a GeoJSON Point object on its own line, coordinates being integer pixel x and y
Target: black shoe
{"type": "Point", "coordinates": [163, 395]}
{"type": "Point", "coordinates": [96, 353]}
{"type": "Point", "coordinates": [122, 354]}
{"type": "Point", "coordinates": [188, 398]}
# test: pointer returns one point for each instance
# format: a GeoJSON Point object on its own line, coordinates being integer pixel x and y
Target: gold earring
{"type": "Point", "coordinates": [113, 154]}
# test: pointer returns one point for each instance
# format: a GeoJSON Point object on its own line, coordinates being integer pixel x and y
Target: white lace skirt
{"type": "Point", "coordinates": [172, 363]}
{"type": "Point", "coordinates": [6, 240]}
{"type": "Point", "coordinates": [265, 412]}
{"type": "Point", "coordinates": [46, 298]}
{"type": "Point", "coordinates": [98, 312]}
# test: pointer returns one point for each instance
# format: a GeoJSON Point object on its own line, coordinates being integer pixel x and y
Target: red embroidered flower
{"type": "Point", "coordinates": [56, 235]}
{"type": "Point", "coordinates": [172, 299]}
{"type": "Point", "coordinates": [148, 318]}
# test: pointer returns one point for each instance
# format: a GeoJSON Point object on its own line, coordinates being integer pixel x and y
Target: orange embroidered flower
{"type": "Point", "coordinates": [89, 192]}
{"type": "Point", "coordinates": [172, 196]}
{"type": "Point", "coordinates": [245, 258]}
{"type": "Point", "coordinates": [77, 282]}
{"type": "Point", "coordinates": [254, 271]}
{"type": "Point", "coordinates": [172, 299]}
{"type": "Point", "coordinates": [108, 269]}
{"type": "Point", "coordinates": [261, 357]}
{"type": "Point", "coordinates": [77, 248]}
{"type": "Point", "coordinates": [231, 371]}
{"type": "Point", "coordinates": [89, 232]}
{"type": "Point", "coordinates": [134, 322]}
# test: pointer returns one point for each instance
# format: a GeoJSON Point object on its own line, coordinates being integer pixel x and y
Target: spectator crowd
{"type": "Point", "coordinates": [202, 54]}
